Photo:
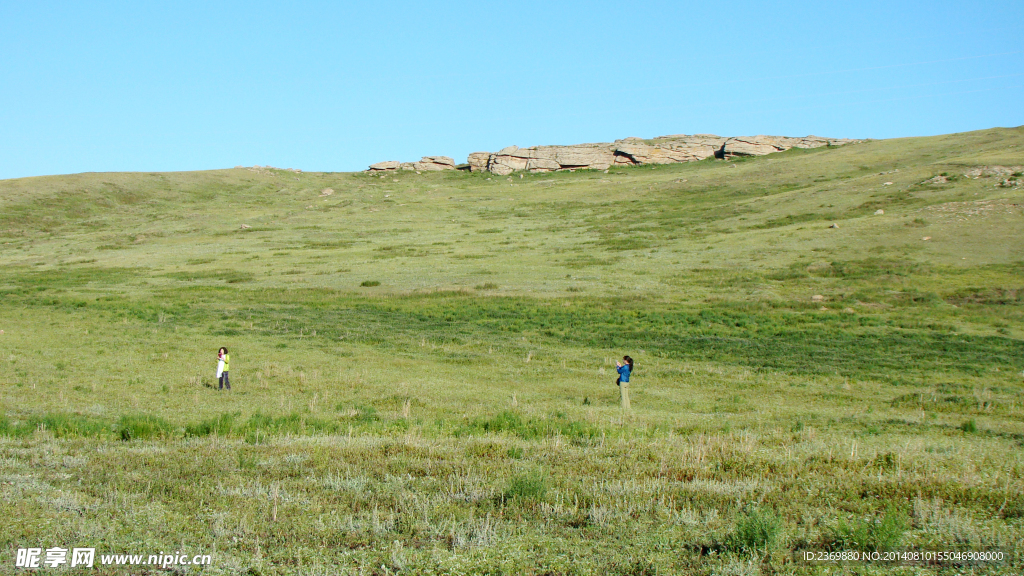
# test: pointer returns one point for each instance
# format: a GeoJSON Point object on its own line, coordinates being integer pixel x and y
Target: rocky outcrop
{"type": "Point", "coordinates": [385, 166]}
{"type": "Point", "coordinates": [669, 149]}
{"type": "Point", "coordinates": [478, 161]}
{"type": "Point", "coordinates": [626, 152]}
{"type": "Point", "coordinates": [988, 171]}
{"type": "Point", "coordinates": [549, 158]}
{"type": "Point", "coordinates": [761, 145]}
{"type": "Point", "coordinates": [430, 163]}
{"type": "Point", "coordinates": [434, 163]}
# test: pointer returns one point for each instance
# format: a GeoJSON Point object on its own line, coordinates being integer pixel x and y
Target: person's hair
{"type": "Point", "coordinates": [224, 348]}
{"type": "Point", "coordinates": [628, 361]}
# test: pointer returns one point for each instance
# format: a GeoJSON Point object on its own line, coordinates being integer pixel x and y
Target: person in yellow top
{"type": "Point", "coordinates": [223, 365]}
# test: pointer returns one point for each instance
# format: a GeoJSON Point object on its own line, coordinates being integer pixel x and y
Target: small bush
{"type": "Point", "coordinates": [366, 414]}
{"type": "Point", "coordinates": [370, 283]}
{"type": "Point", "coordinates": [876, 535]}
{"type": "Point", "coordinates": [755, 531]}
{"type": "Point", "coordinates": [531, 486]}
{"type": "Point", "coordinates": [970, 426]}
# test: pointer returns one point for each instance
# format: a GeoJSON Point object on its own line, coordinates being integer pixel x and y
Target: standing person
{"type": "Point", "coordinates": [624, 370]}
{"type": "Point", "coordinates": [223, 365]}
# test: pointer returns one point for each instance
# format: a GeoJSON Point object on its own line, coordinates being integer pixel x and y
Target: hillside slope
{"type": "Point", "coordinates": [445, 230]}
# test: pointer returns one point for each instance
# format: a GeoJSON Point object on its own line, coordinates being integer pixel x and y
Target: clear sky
{"type": "Point", "coordinates": [335, 86]}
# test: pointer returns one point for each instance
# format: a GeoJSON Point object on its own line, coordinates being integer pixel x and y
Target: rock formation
{"type": "Point", "coordinates": [987, 171]}
{"type": "Point", "coordinates": [626, 152]}
{"type": "Point", "coordinates": [431, 163]}
{"type": "Point", "coordinates": [434, 163]}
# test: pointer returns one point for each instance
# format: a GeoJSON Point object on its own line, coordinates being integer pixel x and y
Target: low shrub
{"type": "Point", "coordinates": [872, 535]}
{"type": "Point", "coordinates": [756, 531]}
{"type": "Point", "coordinates": [526, 487]}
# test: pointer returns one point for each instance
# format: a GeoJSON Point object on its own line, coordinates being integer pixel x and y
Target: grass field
{"type": "Point", "coordinates": [423, 365]}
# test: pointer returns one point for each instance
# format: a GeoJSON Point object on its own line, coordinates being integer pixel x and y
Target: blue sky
{"type": "Point", "coordinates": [333, 86]}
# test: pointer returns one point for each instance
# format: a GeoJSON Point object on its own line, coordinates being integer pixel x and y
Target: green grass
{"type": "Point", "coordinates": [423, 365]}
{"type": "Point", "coordinates": [870, 535]}
{"type": "Point", "coordinates": [756, 531]}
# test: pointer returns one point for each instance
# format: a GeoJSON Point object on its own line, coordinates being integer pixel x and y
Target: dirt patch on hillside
{"type": "Point", "coordinates": [978, 209]}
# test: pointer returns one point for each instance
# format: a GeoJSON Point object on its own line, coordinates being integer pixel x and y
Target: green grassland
{"type": "Point", "coordinates": [423, 365]}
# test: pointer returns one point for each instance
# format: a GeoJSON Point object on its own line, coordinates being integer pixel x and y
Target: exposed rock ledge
{"type": "Point", "coordinates": [625, 152]}
{"type": "Point", "coordinates": [425, 163]}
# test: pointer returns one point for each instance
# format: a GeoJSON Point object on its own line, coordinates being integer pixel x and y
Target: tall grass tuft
{"type": "Point", "coordinates": [756, 531]}
{"type": "Point", "coordinates": [872, 535]}
{"type": "Point", "coordinates": [144, 427]}
{"type": "Point", "coordinates": [526, 487]}
{"type": "Point", "coordinates": [222, 425]}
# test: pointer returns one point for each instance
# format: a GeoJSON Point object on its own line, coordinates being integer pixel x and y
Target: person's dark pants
{"type": "Point", "coordinates": [224, 381]}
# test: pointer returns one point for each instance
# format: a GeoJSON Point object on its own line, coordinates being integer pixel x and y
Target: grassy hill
{"type": "Point", "coordinates": [423, 364]}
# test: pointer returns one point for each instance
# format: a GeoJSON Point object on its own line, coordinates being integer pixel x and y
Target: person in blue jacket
{"type": "Point", "coordinates": [624, 370]}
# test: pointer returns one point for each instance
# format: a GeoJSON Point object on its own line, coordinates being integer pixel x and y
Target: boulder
{"type": "Point", "coordinates": [752, 146]}
{"type": "Point", "coordinates": [761, 145]}
{"type": "Point", "coordinates": [542, 165]}
{"type": "Point", "coordinates": [701, 146]}
{"type": "Point", "coordinates": [478, 161]}
{"type": "Point", "coordinates": [435, 163]}
{"type": "Point", "coordinates": [504, 164]}
{"type": "Point", "coordinates": [432, 163]}
{"type": "Point", "coordinates": [662, 154]}
{"type": "Point", "coordinates": [597, 157]}
{"type": "Point", "coordinates": [385, 166]}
